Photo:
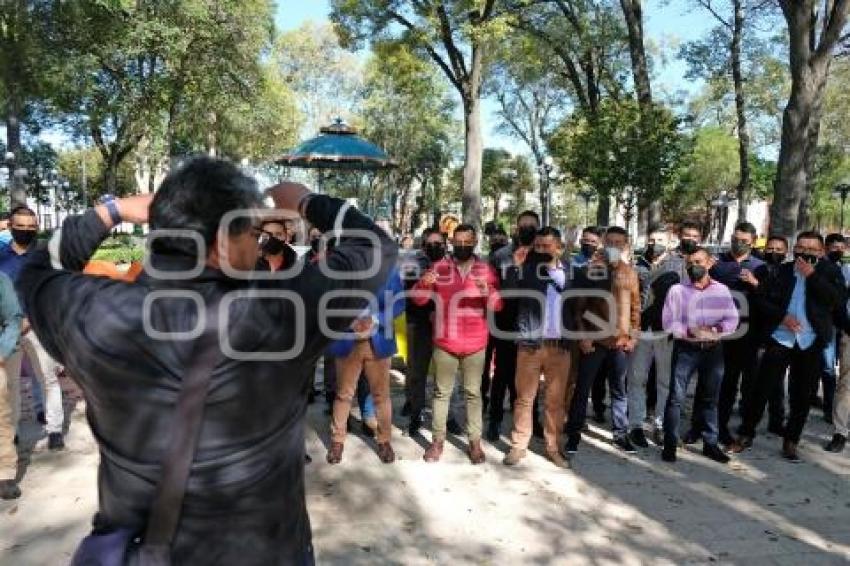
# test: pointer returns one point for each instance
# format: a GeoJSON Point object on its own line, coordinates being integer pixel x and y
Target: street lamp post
{"type": "Point", "coordinates": [842, 191]}
{"type": "Point", "coordinates": [587, 195]}
{"type": "Point", "coordinates": [546, 168]}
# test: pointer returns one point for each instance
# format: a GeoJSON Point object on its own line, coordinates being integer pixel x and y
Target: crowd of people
{"type": "Point", "coordinates": [531, 328]}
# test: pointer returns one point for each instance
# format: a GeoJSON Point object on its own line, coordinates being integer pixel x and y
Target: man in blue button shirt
{"type": "Point", "coordinates": [797, 317]}
{"type": "Point", "coordinates": [24, 228]}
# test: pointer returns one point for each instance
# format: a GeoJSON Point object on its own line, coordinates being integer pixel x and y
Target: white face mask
{"type": "Point", "coordinates": [613, 255]}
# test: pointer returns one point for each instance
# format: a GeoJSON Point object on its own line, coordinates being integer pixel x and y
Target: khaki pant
{"type": "Point", "coordinates": [555, 363]}
{"type": "Point", "coordinates": [841, 405]}
{"type": "Point", "coordinates": [47, 372]}
{"type": "Point", "coordinates": [471, 367]}
{"type": "Point", "coordinates": [8, 453]}
{"type": "Point", "coordinates": [377, 371]}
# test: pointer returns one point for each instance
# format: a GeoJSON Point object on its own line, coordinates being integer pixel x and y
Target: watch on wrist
{"type": "Point", "coordinates": [112, 207]}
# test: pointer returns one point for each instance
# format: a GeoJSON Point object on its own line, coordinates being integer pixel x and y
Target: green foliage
{"type": "Point", "coordinates": [119, 254]}
{"type": "Point", "coordinates": [503, 174]}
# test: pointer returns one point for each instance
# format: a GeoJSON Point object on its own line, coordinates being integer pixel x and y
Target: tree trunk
{"type": "Point", "coordinates": [633, 12]}
{"type": "Point", "coordinates": [474, 152]}
{"type": "Point", "coordinates": [740, 109]}
{"type": "Point", "coordinates": [18, 189]}
{"type": "Point", "coordinates": [603, 210]}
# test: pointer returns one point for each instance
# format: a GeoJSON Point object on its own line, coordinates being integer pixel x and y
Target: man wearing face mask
{"type": "Point", "coordinates": [620, 329]}
{"type": "Point", "coordinates": [775, 253]}
{"type": "Point", "coordinates": [542, 322]}
{"type": "Point", "coordinates": [835, 248]}
{"type": "Point", "coordinates": [698, 313]}
{"type": "Point", "coordinates": [463, 289]}
{"type": "Point", "coordinates": [735, 269]}
{"type": "Point", "coordinates": [24, 228]}
{"type": "Point", "coordinates": [276, 253]}
{"type": "Point", "coordinates": [798, 319]}
{"type": "Point", "coordinates": [658, 270]}
{"type": "Point", "coordinates": [420, 329]}
{"type": "Point", "coordinates": [505, 349]}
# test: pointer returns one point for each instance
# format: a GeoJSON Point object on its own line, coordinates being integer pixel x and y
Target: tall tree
{"type": "Point", "coordinates": [454, 34]}
{"type": "Point", "coordinates": [813, 37]}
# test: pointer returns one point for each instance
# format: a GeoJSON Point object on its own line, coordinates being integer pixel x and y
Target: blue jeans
{"type": "Point", "coordinates": [364, 399]}
{"type": "Point", "coordinates": [708, 363]}
{"type": "Point", "coordinates": [589, 366]}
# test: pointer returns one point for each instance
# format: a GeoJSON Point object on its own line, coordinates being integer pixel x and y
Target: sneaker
{"type": "Point", "coordinates": [452, 427]}
{"type": "Point", "coordinates": [743, 443]}
{"type": "Point", "coordinates": [624, 444]}
{"type": "Point", "coordinates": [493, 432]}
{"type": "Point", "coordinates": [335, 453]}
{"type": "Point", "coordinates": [713, 452]}
{"type": "Point", "coordinates": [558, 459]}
{"type": "Point", "coordinates": [837, 443]}
{"type": "Point", "coordinates": [514, 456]}
{"type": "Point", "coordinates": [789, 451]}
{"type": "Point", "coordinates": [638, 438]}
{"type": "Point", "coordinates": [385, 453]}
{"type": "Point", "coordinates": [572, 443]}
{"type": "Point", "coordinates": [668, 454]}
{"type": "Point", "coordinates": [55, 441]}
{"type": "Point", "coordinates": [9, 490]}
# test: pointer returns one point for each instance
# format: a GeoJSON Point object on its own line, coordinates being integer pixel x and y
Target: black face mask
{"type": "Point", "coordinates": [587, 250]}
{"type": "Point", "coordinates": [526, 234]}
{"type": "Point", "coordinates": [23, 237]}
{"type": "Point", "coordinates": [463, 253]}
{"type": "Point", "coordinates": [774, 258]}
{"type": "Point", "coordinates": [435, 251]}
{"type": "Point", "coordinates": [835, 257]}
{"type": "Point", "coordinates": [696, 272]}
{"type": "Point", "coordinates": [541, 257]}
{"type": "Point", "coordinates": [740, 248]}
{"type": "Point", "coordinates": [688, 246]}
{"type": "Point", "coordinates": [808, 258]}
{"type": "Point", "coordinates": [273, 246]}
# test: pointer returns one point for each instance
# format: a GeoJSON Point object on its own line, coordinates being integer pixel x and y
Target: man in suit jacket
{"type": "Point", "coordinates": [797, 319]}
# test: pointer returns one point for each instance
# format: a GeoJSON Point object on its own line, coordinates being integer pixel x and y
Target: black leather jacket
{"type": "Point", "coordinates": [533, 284]}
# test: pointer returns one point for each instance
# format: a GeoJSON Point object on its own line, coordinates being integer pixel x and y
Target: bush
{"type": "Point", "coordinates": [119, 254]}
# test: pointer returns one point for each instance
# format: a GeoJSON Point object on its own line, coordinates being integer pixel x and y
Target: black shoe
{"type": "Point", "coordinates": [493, 432]}
{"type": "Point", "coordinates": [40, 419]}
{"type": "Point", "coordinates": [713, 452]}
{"type": "Point", "coordinates": [415, 424]}
{"type": "Point", "coordinates": [776, 428]}
{"type": "Point", "coordinates": [599, 415]}
{"type": "Point", "coordinates": [453, 427]}
{"type": "Point", "coordinates": [668, 454]}
{"type": "Point", "coordinates": [9, 490]}
{"type": "Point", "coordinates": [572, 443]}
{"type": "Point", "coordinates": [837, 443]}
{"type": "Point", "coordinates": [406, 409]}
{"type": "Point", "coordinates": [55, 441]}
{"type": "Point", "coordinates": [624, 444]}
{"type": "Point", "coordinates": [692, 437]}
{"type": "Point", "coordinates": [638, 438]}
{"type": "Point", "coordinates": [537, 429]}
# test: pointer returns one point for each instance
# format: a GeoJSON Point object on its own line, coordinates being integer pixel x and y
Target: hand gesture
{"type": "Point", "coordinates": [748, 277]}
{"type": "Point", "coordinates": [520, 255]}
{"type": "Point", "coordinates": [430, 278]}
{"type": "Point", "coordinates": [792, 323]}
{"type": "Point", "coordinates": [804, 267]}
{"type": "Point", "coordinates": [481, 283]}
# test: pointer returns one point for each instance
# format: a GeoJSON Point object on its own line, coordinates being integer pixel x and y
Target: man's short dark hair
{"type": "Point", "coordinates": [280, 221]}
{"type": "Point", "coordinates": [619, 230]}
{"type": "Point", "coordinates": [22, 211]}
{"type": "Point", "coordinates": [833, 238]}
{"type": "Point", "coordinates": [690, 225]}
{"type": "Point", "coordinates": [528, 214]}
{"type": "Point", "coordinates": [747, 227]}
{"type": "Point", "coordinates": [595, 230]}
{"type": "Point", "coordinates": [465, 228]}
{"type": "Point", "coordinates": [700, 249]}
{"type": "Point", "coordinates": [777, 238]}
{"type": "Point", "coordinates": [428, 231]}
{"type": "Point", "coordinates": [195, 197]}
{"type": "Point", "coordinates": [549, 231]}
{"type": "Point", "coordinates": [810, 235]}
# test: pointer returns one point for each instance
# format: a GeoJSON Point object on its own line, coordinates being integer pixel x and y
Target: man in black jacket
{"type": "Point", "coordinates": [797, 319]}
{"type": "Point", "coordinates": [244, 500]}
{"type": "Point", "coordinates": [543, 319]}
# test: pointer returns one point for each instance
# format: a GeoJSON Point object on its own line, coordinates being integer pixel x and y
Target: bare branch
{"type": "Point", "coordinates": [455, 80]}
{"type": "Point", "coordinates": [707, 5]}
